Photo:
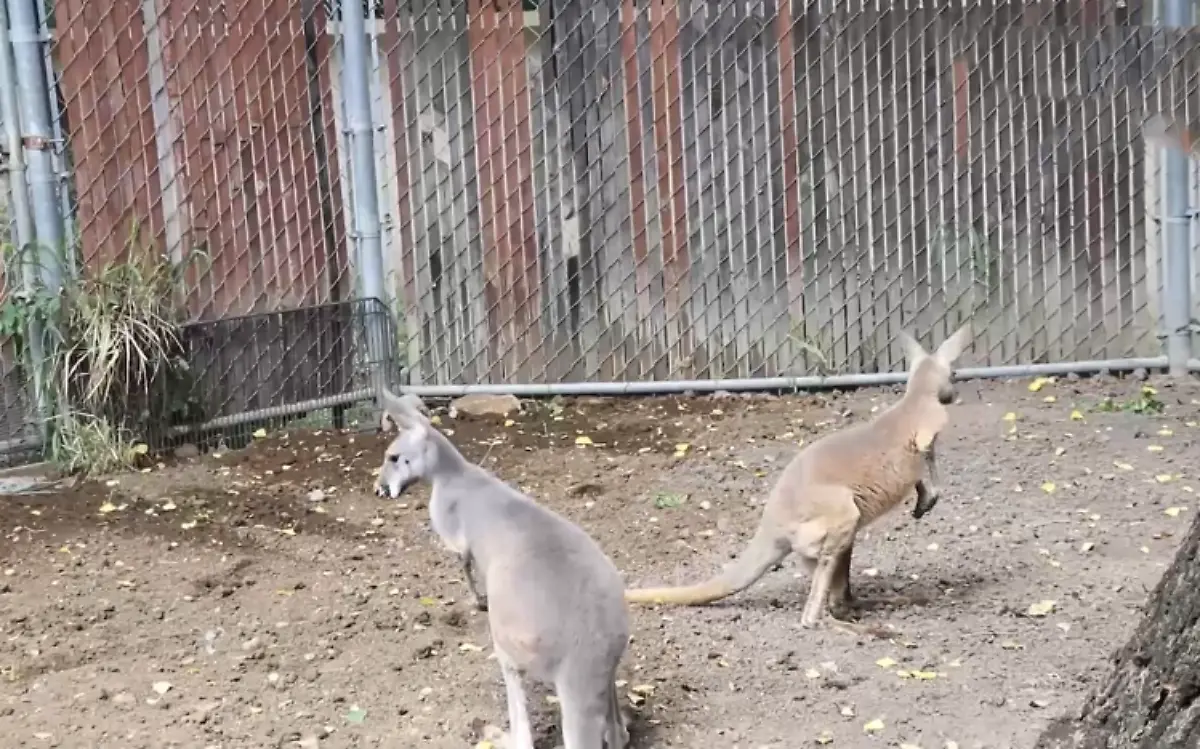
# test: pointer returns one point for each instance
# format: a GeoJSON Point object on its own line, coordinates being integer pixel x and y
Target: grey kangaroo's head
{"type": "Point", "coordinates": [933, 374]}
{"type": "Point", "coordinates": [411, 455]}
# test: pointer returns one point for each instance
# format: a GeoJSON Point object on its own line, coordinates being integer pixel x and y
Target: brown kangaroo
{"type": "Point", "coordinates": [840, 484]}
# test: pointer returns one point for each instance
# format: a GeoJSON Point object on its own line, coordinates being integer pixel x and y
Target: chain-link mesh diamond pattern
{"type": "Point", "coordinates": [628, 190]}
{"type": "Point", "coordinates": [635, 189]}
{"type": "Point", "coordinates": [210, 125]}
{"type": "Point", "coordinates": [214, 126]}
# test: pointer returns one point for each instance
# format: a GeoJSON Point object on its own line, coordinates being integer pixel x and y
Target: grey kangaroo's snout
{"type": "Point", "coordinates": [946, 395]}
{"type": "Point", "coordinates": [385, 490]}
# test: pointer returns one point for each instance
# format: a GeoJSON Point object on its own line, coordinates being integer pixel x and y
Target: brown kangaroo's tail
{"type": "Point", "coordinates": [765, 550]}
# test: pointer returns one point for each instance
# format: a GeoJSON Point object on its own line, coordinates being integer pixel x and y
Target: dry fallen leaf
{"type": "Point", "coordinates": [824, 738]}
{"type": "Point", "coordinates": [468, 647]}
{"type": "Point", "coordinates": [924, 675]}
{"type": "Point", "coordinates": [107, 507]}
{"type": "Point", "coordinates": [509, 422]}
{"type": "Point", "coordinates": [1154, 448]}
{"type": "Point", "coordinates": [583, 439]}
{"type": "Point", "coordinates": [1173, 512]}
{"type": "Point", "coordinates": [1123, 466]}
{"type": "Point", "coordinates": [812, 673]}
{"type": "Point", "coordinates": [1038, 383]}
{"type": "Point", "coordinates": [259, 434]}
{"type": "Point", "coordinates": [873, 726]}
{"type": "Point", "coordinates": [681, 449]}
{"type": "Point", "coordinates": [885, 662]}
{"type": "Point", "coordinates": [1164, 478]}
{"type": "Point", "coordinates": [1059, 450]}
{"type": "Point", "coordinates": [1076, 415]}
{"type": "Point", "coordinates": [1087, 546]}
{"type": "Point", "coordinates": [1041, 608]}
{"type": "Point", "coordinates": [1049, 487]}
{"type": "Point", "coordinates": [1010, 416]}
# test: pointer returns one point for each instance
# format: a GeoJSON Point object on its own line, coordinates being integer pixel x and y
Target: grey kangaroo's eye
{"type": "Point", "coordinates": [393, 458]}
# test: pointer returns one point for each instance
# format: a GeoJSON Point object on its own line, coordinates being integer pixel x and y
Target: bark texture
{"type": "Point", "coordinates": [1150, 697]}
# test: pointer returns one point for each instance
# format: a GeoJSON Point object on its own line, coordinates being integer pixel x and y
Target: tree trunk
{"type": "Point", "coordinates": [1150, 698]}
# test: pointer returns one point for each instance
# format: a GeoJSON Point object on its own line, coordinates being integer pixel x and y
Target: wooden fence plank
{"type": "Point", "coordinates": [105, 82]}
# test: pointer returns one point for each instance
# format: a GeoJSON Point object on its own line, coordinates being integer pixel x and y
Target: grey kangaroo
{"type": "Point", "coordinates": [553, 598]}
{"type": "Point", "coordinates": [838, 485]}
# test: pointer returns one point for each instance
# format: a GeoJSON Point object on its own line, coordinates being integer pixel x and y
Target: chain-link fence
{"type": "Point", "coordinates": [622, 190]}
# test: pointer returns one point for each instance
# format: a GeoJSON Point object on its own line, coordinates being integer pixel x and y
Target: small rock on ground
{"type": "Point", "coordinates": [477, 404]}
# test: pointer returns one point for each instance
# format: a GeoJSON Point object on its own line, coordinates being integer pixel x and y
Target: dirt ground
{"type": "Point", "coordinates": [265, 598]}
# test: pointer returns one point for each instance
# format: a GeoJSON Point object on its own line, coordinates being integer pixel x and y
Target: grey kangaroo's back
{"type": "Point", "coordinates": [570, 590]}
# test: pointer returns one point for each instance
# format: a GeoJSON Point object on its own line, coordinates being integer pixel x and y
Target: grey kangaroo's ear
{"type": "Point", "coordinates": [953, 346]}
{"type": "Point", "coordinates": [405, 411]}
{"type": "Point", "coordinates": [913, 351]}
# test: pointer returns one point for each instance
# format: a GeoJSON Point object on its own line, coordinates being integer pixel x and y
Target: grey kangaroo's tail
{"type": "Point", "coordinates": [766, 549]}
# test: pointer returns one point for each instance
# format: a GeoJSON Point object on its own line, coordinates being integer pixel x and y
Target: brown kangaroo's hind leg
{"type": "Point", "coordinates": [841, 597]}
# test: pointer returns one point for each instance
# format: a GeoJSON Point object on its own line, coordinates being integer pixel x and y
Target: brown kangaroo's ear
{"type": "Point", "coordinates": [953, 346]}
{"type": "Point", "coordinates": [913, 351]}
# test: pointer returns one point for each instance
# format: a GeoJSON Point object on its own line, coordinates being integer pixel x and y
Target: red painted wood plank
{"type": "Point", "coordinates": [104, 82]}
{"type": "Point", "coordinates": [637, 170]}
{"type": "Point", "coordinates": [504, 162]}
{"type": "Point", "coordinates": [522, 277]}
{"type": "Point", "coordinates": [791, 158]}
{"type": "Point", "coordinates": [668, 140]}
{"type": "Point", "coordinates": [397, 46]}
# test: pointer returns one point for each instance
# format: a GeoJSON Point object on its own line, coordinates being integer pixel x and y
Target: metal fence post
{"type": "Point", "coordinates": [360, 129]}
{"type": "Point", "coordinates": [24, 233]}
{"type": "Point", "coordinates": [1177, 218]}
{"type": "Point", "coordinates": [38, 136]}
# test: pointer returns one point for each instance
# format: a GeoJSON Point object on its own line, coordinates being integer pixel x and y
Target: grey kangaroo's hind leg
{"type": "Point", "coordinates": [616, 735]}
{"type": "Point", "coordinates": [586, 702]}
{"type": "Point", "coordinates": [520, 731]}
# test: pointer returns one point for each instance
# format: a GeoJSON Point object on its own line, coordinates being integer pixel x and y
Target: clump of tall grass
{"type": "Point", "coordinates": [110, 341]}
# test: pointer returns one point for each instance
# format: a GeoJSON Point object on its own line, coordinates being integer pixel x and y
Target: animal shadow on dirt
{"type": "Point", "coordinates": [872, 595]}
{"type": "Point", "coordinates": [548, 733]}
